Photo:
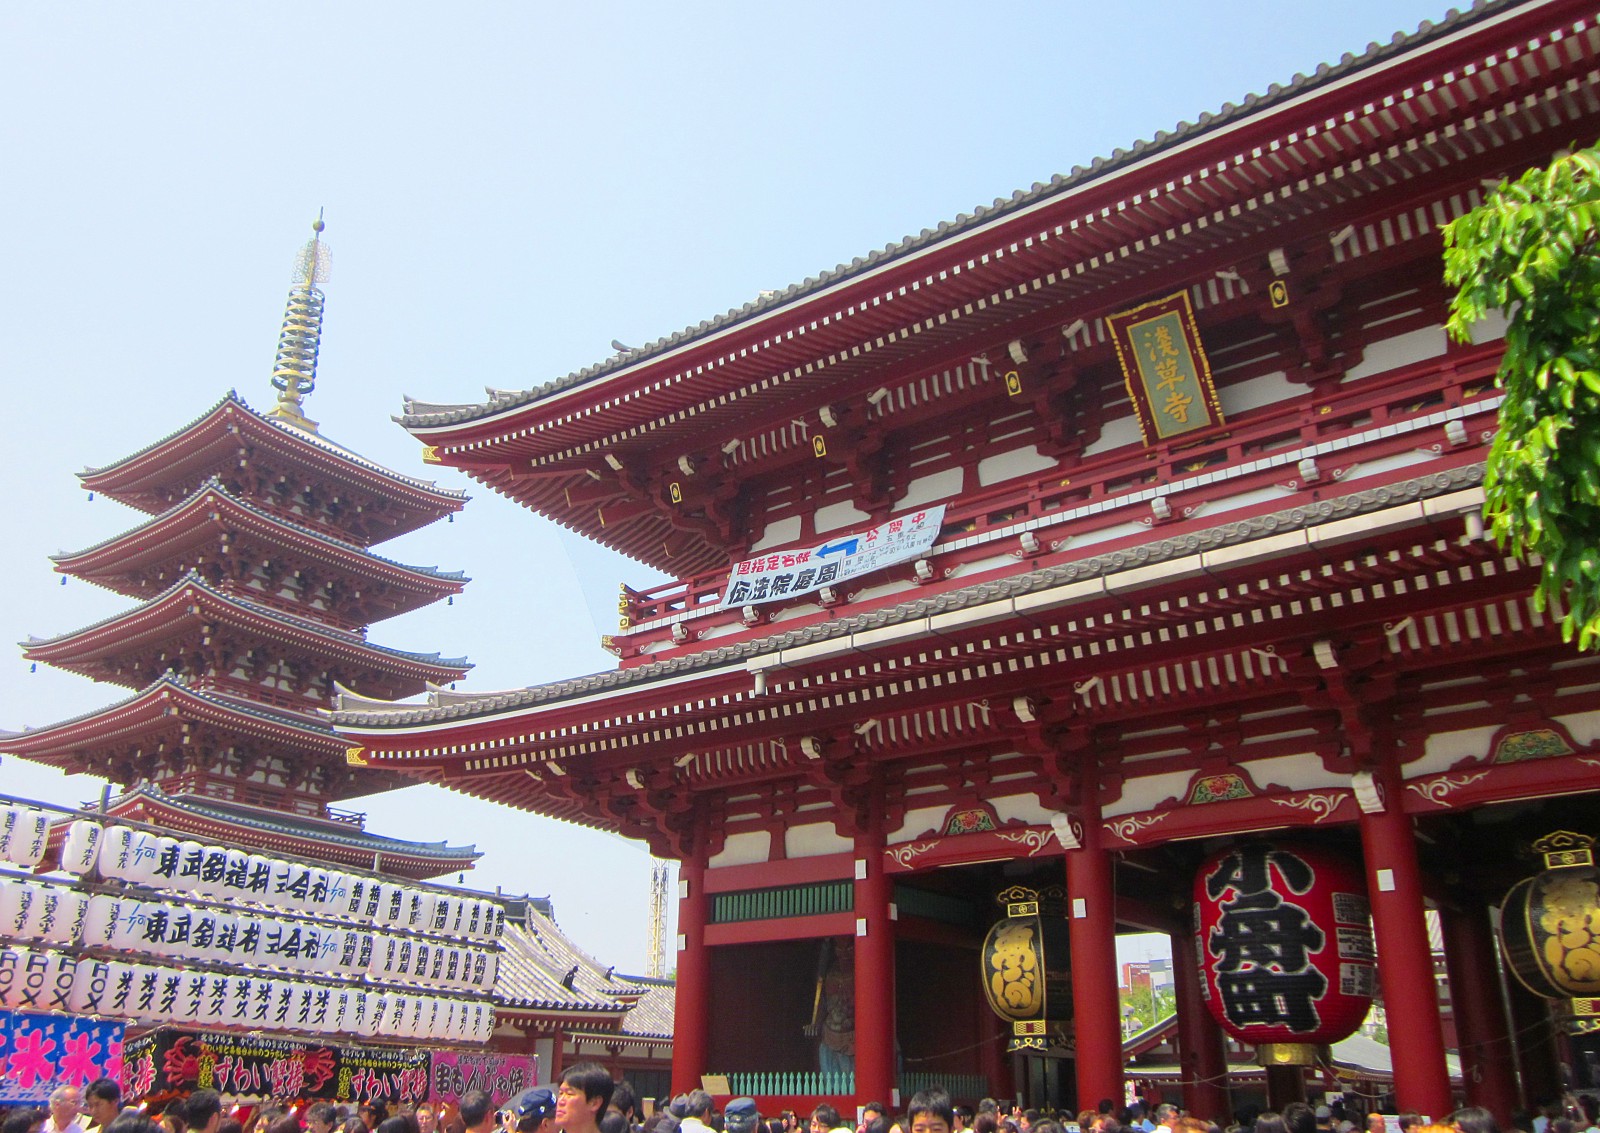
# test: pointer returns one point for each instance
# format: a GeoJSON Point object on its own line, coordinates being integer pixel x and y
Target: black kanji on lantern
{"type": "Point", "coordinates": [1262, 943]}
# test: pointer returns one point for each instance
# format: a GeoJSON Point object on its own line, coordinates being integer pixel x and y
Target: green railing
{"type": "Point", "coordinates": [788, 901]}
{"type": "Point", "coordinates": [792, 1083]}
{"type": "Point", "coordinates": [932, 906]}
{"type": "Point", "coordinates": [962, 1087]}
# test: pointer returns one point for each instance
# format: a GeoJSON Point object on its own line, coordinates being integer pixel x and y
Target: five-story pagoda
{"type": "Point", "coordinates": [255, 583]}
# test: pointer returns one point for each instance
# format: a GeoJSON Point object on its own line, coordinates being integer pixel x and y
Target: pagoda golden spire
{"type": "Point", "coordinates": [294, 371]}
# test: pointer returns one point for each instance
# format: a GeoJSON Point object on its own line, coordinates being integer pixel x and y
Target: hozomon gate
{"type": "Point", "coordinates": [1149, 625]}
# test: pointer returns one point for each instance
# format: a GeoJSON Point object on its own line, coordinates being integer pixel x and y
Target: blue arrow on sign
{"type": "Point", "coordinates": [846, 546]}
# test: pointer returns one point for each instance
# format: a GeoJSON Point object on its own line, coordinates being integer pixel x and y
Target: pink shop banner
{"type": "Point", "coordinates": [455, 1073]}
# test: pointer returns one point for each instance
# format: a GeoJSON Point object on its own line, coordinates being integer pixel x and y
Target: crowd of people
{"type": "Point", "coordinates": [588, 1100]}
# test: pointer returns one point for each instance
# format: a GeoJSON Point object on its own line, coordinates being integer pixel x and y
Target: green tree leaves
{"type": "Point", "coordinates": [1530, 254]}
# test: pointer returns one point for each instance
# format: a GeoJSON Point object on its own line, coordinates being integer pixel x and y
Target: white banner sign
{"type": "Point", "coordinates": [785, 574]}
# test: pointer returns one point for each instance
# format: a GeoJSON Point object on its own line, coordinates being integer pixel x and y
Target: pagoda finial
{"type": "Point", "coordinates": [294, 372]}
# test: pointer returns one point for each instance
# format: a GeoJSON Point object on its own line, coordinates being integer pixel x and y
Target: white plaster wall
{"type": "Point", "coordinates": [932, 488]}
{"type": "Point", "coordinates": [1584, 726]}
{"type": "Point", "coordinates": [815, 839]}
{"type": "Point", "coordinates": [1266, 389]}
{"type": "Point", "coordinates": [1401, 350]}
{"type": "Point", "coordinates": [1017, 462]}
{"type": "Point", "coordinates": [1388, 464]}
{"type": "Point", "coordinates": [743, 849]}
{"type": "Point", "coordinates": [1115, 434]}
{"type": "Point", "coordinates": [1489, 328]}
{"type": "Point", "coordinates": [1147, 792]}
{"type": "Point", "coordinates": [1024, 808]}
{"type": "Point", "coordinates": [842, 514]}
{"type": "Point", "coordinates": [1303, 772]}
{"type": "Point", "coordinates": [1106, 534]}
{"type": "Point", "coordinates": [778, 534]}
{"type": "Point", "coordinates": [1444, 749]}
{"type": "Point", "coordinates": [918, 822]}
{"type": "Point", "coordinates": [1246, 499]}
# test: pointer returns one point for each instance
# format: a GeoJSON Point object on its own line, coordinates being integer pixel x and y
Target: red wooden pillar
{"type": "Point", "coordinates": [1201, 1053]}
{"type": "Point", "coordinates": [692, 1000]}
{"type": "Point", "coordinates": [1097, 1018]}
{"type": "Point", "coordinates": [1482, 1029]}
{"type": "Point", "coordinates": [1405, 964]}
{"type": "Point", "coordinates": [874, 966]}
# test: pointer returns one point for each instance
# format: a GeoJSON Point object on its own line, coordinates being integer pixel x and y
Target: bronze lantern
{"type": "Point", "coordinates": [1550, 928]}
{"type": "Point", "coordinates": [1027, 964]}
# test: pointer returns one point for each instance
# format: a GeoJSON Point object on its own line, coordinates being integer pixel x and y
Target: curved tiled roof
{"type": "Point", "coordinates": [319, 629]}
{"type": "Point", "coordinates": [232, 397]}
{"type": "Point", "coordinates": [534, 960]}
{"type": "Point", "coordinates": [978, 594]}
{"type": "Point", "coordinates": [215, 487]}
{"type": "Point", "coordinates": [277, 822]}
{"type": "Point", "coordinates": [419, 414]}
{"type": "Point", "coordinates": [255, 709]}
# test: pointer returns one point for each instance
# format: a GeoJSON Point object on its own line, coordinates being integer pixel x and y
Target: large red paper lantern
{"type": "Point", "coordinates": [1284, 943]}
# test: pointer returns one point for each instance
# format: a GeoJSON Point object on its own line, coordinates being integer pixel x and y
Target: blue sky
{"type": "Point", "coordinates": [508, 188]}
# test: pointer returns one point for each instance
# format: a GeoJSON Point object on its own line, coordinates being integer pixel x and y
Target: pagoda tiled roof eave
{"type": "Point", "coordinates": [709, 664]}
{"type": "Point", "coordinates": [100, 478]}
{"type": "Point", "coordinates": [214, 494]}
{"type": "Point", "coordinates": [435, 421]}
{"type": "Point", "coordinates": [163, 692]}
{"type": "Point", "coordinates": [433, 851]}
{"type": "Point", "coordinates": [167, 603]}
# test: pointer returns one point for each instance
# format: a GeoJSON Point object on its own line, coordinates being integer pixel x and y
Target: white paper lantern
{"type": "Point", "coordinates": [419, 910]}
{"type": "Point", "coordinates": [16, 898]}
{"type": "Point", "coordinates": [444, 912]}
{"type": "Point", "coordinates": [120, 989]}
{"type": "Point", "coordinates": [376, 1007]}
{"type": "Point", "coordinates": [191, 856]}
{"type": "Point", "coordinates": [24, 832]}
{"type": "Point", "coordinates": [390, 907]}
{"type": "Point", "coordinates": [61, 914]}
{"type": "Point", "coordinates": [164, 1006]}
{"type": "Point", "coordinates": [376, 901]}
{"type": "Point", "coordinates": [32, 980]}
{"type": "Point", "coordinates": [80, 850]}
{"type": "Point", "coordinates": [58, 982]}
{"type": "Point", "coordinates": [215, 1012]}
{"type": "Point", "coordinates": [235, 876]}
{"type": "Point", "coordinates": [116, 852]}
{"type": "Point", "coordinates": [213, 872]}
{"type": "Point", "coordinates": [91, 984]}
{"type": "Point", "coordinates": [126, 927]}
{"type": "Point", "coordinates": [10, 817]}
{"type": "Point", "coordinates": [164, 873]}
{"type": "Point", "coordinates": [99, 921]}
{"type": "Point", "coordinates": [241, 1001]}
{"type": "Point", "coordinates": [140, 865]}
{"type": "Point", "coordinates": [258, 879]}
{"type": "Point", "coordinates": [34, 914]}
{"type": "Point", "coordinates": [12, 963]}
{"type": "Point", "coordinates": [336, 897]}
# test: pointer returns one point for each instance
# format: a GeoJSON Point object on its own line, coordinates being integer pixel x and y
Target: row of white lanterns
{"type": "Point", "coordinates": [50, 914]}
{"type": "Point", "coordinates": [39, 979]}
{"type": "Point", "coordinates": [183, 865]}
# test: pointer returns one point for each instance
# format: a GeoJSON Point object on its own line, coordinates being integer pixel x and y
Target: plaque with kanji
{"type": "Point", "coordinates": [1165, 367]}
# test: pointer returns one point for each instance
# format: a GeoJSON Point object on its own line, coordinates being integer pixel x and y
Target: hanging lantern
{"type": "Point", "coordinates": [1550, 928]}
{"type": "Point", "coordinates": [1284, 946]}
{"type": "Point", "coordinates": [1027, 964]}
{"type": "Point", "coordinates": [116, 853]}
{"type": "Point", "coordinates": [81, 849]}
{"type": "Point", "coordinates": [90, 984]}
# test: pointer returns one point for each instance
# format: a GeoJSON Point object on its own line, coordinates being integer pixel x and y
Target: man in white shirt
{"type": "Point", "coordinates": [66, 1107]}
